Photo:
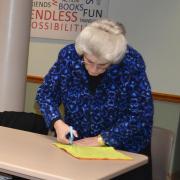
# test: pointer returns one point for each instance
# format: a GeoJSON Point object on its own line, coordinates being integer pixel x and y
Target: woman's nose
{"type": "Point", "coordinates": [94, 68]}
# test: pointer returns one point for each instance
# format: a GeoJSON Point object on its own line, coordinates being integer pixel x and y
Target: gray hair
{"type": "Point", "coordinates": [105, 39]}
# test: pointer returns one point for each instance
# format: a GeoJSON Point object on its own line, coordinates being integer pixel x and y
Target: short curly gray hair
{"type": "Point", "coordinates": [105, 39]}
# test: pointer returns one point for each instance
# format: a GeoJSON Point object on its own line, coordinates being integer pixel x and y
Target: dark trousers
{"type": "Point", "coordinates": [141, 173]}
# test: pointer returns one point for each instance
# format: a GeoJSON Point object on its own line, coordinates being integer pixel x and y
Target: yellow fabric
{"type": "Point", "coordinates": [85, 152]}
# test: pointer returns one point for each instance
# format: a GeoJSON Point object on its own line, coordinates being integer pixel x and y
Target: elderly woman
{"type": "Point", "coordinates": [103, 86]}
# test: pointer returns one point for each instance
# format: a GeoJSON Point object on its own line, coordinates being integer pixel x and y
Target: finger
{"type": "Point", "coordinates": [79, 144]}
{"type": "Point", "coordinates": [75, 133]}
{"type": "Point", "coordinates": [63, 140]}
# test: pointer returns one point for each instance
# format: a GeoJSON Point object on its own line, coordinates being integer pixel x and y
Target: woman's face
{"type": "Point", "coordinates": [94, 68]}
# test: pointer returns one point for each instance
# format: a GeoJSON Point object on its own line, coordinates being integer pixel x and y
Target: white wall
{"type": "Point", "coordinates": [42, 55]}
{"type": "Point", "coordinates": [153, 28]}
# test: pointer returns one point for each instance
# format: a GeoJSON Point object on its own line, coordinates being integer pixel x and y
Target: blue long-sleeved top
{"type": "Point", "coordinates": [121, 109]}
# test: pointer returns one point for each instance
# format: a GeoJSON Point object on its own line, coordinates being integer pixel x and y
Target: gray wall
{"type": "Point", "coordinates": [153, 28]}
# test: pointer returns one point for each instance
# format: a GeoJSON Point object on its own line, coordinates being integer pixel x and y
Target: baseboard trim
{"type": "Point", "coordinates": [166, 97]}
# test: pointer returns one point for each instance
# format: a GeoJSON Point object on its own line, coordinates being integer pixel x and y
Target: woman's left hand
{"type": "Point", "coordinates": [90, 141]}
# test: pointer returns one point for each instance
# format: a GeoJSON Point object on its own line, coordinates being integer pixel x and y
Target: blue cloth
{"type": "Point", "coordinates": [121, 110]}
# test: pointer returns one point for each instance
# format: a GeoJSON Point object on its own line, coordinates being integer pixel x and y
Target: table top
{"type": "Point", "coordinates": [33, 156]}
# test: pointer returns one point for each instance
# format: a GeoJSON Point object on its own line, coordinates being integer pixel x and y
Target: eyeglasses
{"type": "Point", "coordinates": [88, 62]}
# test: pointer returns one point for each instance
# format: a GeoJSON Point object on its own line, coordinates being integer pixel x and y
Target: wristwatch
{"type": "Point", "coordinates": [100, 140]}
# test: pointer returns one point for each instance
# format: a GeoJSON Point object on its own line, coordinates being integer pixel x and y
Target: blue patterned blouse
{"type": "Point", "coordinates": [121, 109]}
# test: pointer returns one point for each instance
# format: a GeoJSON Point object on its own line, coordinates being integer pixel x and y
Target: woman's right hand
{"type": "Point", "coordinates": [62, 129]}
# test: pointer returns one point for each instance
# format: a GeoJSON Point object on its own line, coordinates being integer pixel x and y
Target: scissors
{"type": "Point", "coordinates": [71, 136]}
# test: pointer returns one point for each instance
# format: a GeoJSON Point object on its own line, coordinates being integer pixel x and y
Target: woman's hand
{"type": "Point", "coordinates": [62, 129]}
{"type": "Point", "coordinates": [91, 141]}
